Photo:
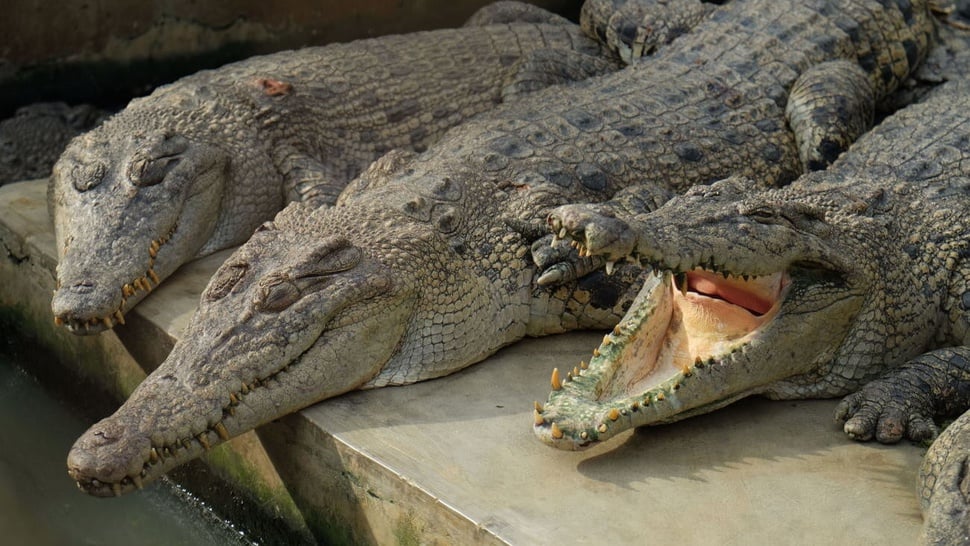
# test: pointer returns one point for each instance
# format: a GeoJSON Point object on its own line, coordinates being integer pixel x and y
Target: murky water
{"type": "Point", "coordinates": [40, 505]}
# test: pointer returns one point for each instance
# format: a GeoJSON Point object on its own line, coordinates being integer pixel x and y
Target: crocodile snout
{"type": "Point", "coordinates": [109, 459]}
{"type": "Point", "coordinates": [82, 307]}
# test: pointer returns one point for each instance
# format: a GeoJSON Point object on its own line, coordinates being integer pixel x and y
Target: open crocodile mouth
{"type": "Point", "coordinates": [145, 283]}
{"type": "Point", "coordinates": [679, 328]}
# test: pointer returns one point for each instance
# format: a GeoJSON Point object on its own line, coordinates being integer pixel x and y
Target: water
{"type": "Point", "coordinates": [39, 503]}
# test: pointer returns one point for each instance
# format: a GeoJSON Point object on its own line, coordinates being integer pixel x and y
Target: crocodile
{"type": "Point", "coordinates": [854, 281]}
{"type": "Point", "coordinates": [424, 267]}
{"type": "Point", "coordinates": [198, 164]}
{"type": "Point", "coordinates": [33, 138]}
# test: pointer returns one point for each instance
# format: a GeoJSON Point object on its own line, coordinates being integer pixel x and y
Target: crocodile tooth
{"type": "Point", "coordinates": [555, 380]}
{"type": "Point", "coordinates": [127, 290]}
{"type": "Point", "coordinates": [562, 233]}
{"type": "Point", "coordinates": [203, 440]}
{"type": "Point", "coordinates": [617, 330]}
{"type": "Point", "coordinates": [153, 456]}
{"type": "Point", "coordinates": [116, 489]}
{"type": "Point", "coordinates": [602, 428]}
{"type": "Point", "coordinates": [609, 267]}
{"type": "Point", "coordinates": [151, 273]}
{"type": "Point", "coordinates": [555, 431]}
{"type": "Point", "coordinates": [614, 414]}
{"type": "Point", "coordinates": [137, 481]}
{"type": "Point", "coordinates": [537, 418]}
{"type": "Point", "coordinates": [221, 431]}
{"type": "Point", "coordinates": [107, 322]}
{"type": "Point", "coordinates": [244, 389]}
{"type": "Point", "coordinates": [584, 435]}
{"type": "Point", "coordinates": [58, 321]}
{"type": "Point", "coordinates": [682, 283]}
{"type": "Point", "coordinates": [119, 317]}
{"type": "Point", "coordinates": [233, 400]}
{"type": "Point", "coordinates": [607, 339]}
{"type": "Point", "coordinates": [538, 406]}
{"type": "Point", "coordinates": [575, 371]}
{"type": "Point", "coordinates": [596, 351]}
{"type": "Point", "coordinates": [583, 365]}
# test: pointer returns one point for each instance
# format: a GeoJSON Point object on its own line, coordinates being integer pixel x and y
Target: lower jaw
{"type": "Point", "coordinates": [90, 326]}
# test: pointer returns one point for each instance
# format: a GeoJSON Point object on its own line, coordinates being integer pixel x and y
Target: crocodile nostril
{"type": "Point", "coordinates": [83, 287]}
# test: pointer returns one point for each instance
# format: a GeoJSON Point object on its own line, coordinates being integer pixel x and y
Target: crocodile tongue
{"type": "Point", "coordinates": [757, 295]}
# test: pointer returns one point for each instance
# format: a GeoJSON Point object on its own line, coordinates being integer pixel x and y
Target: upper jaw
{"type": "Point", "coordinates": [96, 302]}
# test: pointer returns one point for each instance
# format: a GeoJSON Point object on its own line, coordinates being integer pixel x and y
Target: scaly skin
{"type": "Point", "coordinates": [321, 302]}
{"type": "Point", "coordinates": [32, 140]}
{"type": "Point", "coordinates": [944, 488]}
{"type": "Point", "coordinates": [852, 280]}
{"type": "Point", "coordinates": [635, 28]}
{"type": "Point", "coordinates": [198, 164]}
{"type": "Point", "coordinates": [434, 248]}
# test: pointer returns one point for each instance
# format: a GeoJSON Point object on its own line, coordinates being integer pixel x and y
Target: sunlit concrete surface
{"type": "Point", "coordinates": [453, 461]}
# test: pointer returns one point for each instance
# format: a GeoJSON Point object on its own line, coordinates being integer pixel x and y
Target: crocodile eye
{"type": "Point", "coordinates": [763, 215]}
{"type": "Point", "coordinates": [276, 297]}
{"type": "Point", "coordinates": [84, 177]}
{"type": "Point", "coordinates": [223, 282]}
{"type": "Point", "coordinates": [146, 171]}
{"type": "Point", "coordinates": [330, 262]}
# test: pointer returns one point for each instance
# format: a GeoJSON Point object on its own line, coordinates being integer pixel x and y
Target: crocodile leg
{"type": "Point", "coordinates": [634, 28]}
{"type": "Point", "coordinates": [829, 106]}
{"type": "Point", "coordinates": [904, 402]}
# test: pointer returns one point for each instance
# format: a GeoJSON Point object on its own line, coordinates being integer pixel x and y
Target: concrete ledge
{"type": "Point", "coordinates": [453, 461]}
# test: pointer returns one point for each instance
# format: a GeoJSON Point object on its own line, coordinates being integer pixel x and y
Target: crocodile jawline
{"type": "Point", "coordinates": [683, 324]}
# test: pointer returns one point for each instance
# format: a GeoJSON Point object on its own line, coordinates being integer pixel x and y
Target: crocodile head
{"type": "Point", "coordinates": [750, 293]}
{"type": "Point", "coordinates": [307, 309]}
{"type": "Point", "coordinates": [131, 201]}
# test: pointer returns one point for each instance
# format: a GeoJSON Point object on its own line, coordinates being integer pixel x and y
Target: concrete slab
{"type": "Point", "coordinates": [453, 461]}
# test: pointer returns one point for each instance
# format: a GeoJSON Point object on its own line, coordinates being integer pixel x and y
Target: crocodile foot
{"type": "Point", "coordinates": [560, 261]}
{"type": "Point", "coordinates": [888, 411]}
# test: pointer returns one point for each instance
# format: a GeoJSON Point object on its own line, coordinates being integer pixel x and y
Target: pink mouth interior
{"type": "Point", "coordinates": [758, 298]}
